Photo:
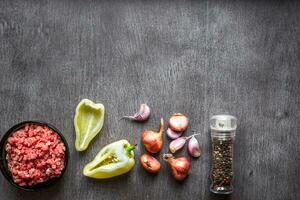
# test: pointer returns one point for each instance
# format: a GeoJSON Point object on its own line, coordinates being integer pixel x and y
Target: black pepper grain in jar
{"type": "Point", "coordinates": [222, 134]}
{"type": "Point", "coordinates": [222, 172]}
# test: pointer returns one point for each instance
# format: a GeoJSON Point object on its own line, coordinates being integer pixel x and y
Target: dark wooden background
{"type": "Point", "coordinates": [196, 57]}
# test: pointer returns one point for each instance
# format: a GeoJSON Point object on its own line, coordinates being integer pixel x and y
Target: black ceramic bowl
{"type": "Point", "coordinates": [3, 163]}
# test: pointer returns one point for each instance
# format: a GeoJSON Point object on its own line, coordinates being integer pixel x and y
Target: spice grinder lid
{"type": "Point", "coordinates": [223, 123]}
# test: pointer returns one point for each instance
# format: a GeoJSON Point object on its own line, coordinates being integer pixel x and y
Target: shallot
{"type": "Point", "coordinates": [178, 122]}
{"type": "Point", "coordinates": [179, 166]}
{"type": "Point", "coordinates": [150, 163]}
{"type": "Point", "coordinates": [152, 140]}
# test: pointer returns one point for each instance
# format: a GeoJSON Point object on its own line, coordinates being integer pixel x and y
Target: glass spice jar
{"type": "Point", "coordinates": [223, 128]}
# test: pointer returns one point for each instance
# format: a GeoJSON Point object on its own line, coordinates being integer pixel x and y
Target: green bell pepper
{"type": "Point", "coordinates": [113, 160]}
{"type": "Point", "coordinates": [88, 121]}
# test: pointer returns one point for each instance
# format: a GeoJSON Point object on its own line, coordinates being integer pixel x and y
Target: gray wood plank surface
{"type": "Point", "coordinates": [196, 57]}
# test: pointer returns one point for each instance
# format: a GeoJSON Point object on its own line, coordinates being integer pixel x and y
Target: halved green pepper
{"type": "Point", "coordinates": [88, 121]}
{"type": "Point", "coordinates": [113, 160]}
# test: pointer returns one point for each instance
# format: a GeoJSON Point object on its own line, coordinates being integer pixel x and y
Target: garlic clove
{"type": "Point", "coordinates": [193, 147]}
{"type": "Point", "coordinates": [177, 144]}
{"type": "Point", "coordinates": [142, 115]}
{"type": "Point", "coordinates": [172, 134]}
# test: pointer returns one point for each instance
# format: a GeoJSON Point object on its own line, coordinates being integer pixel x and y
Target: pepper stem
{"type": "Point", "coordinates": [129, 148]}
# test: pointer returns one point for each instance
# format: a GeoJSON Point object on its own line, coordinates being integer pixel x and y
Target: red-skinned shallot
{"type": "Point", "coordinates": [153, 141]}
{"type": "Point", "coordinates": [150, 163]}
{"type": "Point", "coordinates": [179, 166]}
{"type": "Point", "coordinates": [178, 122]}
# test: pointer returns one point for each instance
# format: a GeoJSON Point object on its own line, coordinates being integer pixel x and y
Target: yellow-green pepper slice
{"type": "Point", "coordinates": [113, 160]}
{"type": "Point", "coordinates": [88, 121]}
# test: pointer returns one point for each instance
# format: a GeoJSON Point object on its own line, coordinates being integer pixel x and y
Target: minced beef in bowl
{"type": "Point", "coordinates": [34, 154]}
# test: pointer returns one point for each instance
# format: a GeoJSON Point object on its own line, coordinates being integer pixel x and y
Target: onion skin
{"type": "Point", "coordinates": [153, 141]}
{"type": "Point", "coordinates": [150, 163]}
{"type": "Point", "coordinates": [179, 166]}
{"type": "Point", "coordinates": [178, 122]}
{"type": "Point", "coordinates": [172, 134]}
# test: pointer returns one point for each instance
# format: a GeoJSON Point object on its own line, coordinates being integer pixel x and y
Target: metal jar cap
{"type": "Point", "coordinates": [223, 123]}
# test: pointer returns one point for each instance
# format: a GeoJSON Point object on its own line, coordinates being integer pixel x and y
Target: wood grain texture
{"type": "Point", "coordinates": [196, 57]}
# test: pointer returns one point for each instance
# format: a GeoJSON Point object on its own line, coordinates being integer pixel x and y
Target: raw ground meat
{"type": "Point", "coordinates": [34, 154]}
